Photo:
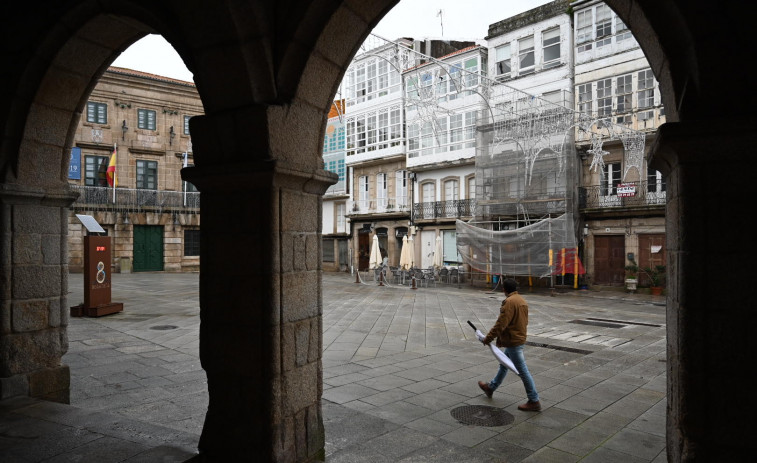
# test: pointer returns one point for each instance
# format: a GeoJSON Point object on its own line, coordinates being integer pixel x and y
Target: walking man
{"type": "Point", "coordinates": [510, 333]}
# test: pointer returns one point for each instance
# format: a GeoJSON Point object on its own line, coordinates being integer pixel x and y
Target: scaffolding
{"type": "Point", "coordinates": [526, 183]}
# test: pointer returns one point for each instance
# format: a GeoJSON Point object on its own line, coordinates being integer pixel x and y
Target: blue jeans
{"type": "Point", "coordinates": [516, 355]}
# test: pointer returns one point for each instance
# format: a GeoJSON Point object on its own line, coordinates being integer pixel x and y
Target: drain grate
{"type": "Point", "coordinates": [625, 322]}
{"type": "Point", "coordinates": [562, 348]}
{"type": "Point", "coordinates": [481, 415]}
{"type": "Point", "coordinates": [163, 327]}
{"type": "Point", "coordinates": [597, 323]}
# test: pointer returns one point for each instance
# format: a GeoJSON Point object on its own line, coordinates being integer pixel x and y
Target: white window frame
{"type": "Point", "coordinates": [585, 98]}
{"type": "Point", "coordinates": [363, 193]}
{"type": "Point", "coordinates": [608, 184]}
{"type": "Point", "coordinates": [645, 89]}
{"type": "Point", "coordinates": [452, 190]}
{"type": "Point", "coordinates": [551, 41]}
{"type": "Point", "coordinates": [604, 97]}
{"type": "Point", "coordinates": [526, 53]}
{"type": "Point", "coordinates": [503, 67]}
{"type": "Point", "coordinates": [400, 188]}
{"type": "Point", "coordinates": [428, 192]}
{"type": "Point", "coordinates": [340, 223]}
{"type": "Point", "coordinates": [381, 191]}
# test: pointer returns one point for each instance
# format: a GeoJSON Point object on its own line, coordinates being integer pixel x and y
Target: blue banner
{"type": "Point", "coordinates": [74, 165]}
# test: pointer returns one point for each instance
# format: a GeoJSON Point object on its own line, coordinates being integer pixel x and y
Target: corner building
{"type": "Point", "coordinates": [151, 215]}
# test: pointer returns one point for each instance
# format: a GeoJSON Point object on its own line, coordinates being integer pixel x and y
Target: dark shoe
{"type": "Point", "coordinates": [530, 406]}
{"type": "Point", "coordinates": [485, 387]}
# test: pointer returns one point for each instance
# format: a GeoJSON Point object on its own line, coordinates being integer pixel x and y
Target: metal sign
{"type": "Point", "coordinates": [90, 223]}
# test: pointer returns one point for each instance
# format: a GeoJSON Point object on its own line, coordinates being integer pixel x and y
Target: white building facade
{"type": "Point", "coordinates": [623, 201]}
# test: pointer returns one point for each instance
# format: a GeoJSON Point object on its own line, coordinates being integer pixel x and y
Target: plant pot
{"type": "Point", "coordinates": [656, 290]}
{"type": "Point", "coordinates": [631, 284]}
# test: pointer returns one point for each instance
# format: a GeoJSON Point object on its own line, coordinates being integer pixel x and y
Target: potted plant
{"type": "Point", "coordinates": [656, 276]}
{"type": "Point", "coordinates": [632, 271]}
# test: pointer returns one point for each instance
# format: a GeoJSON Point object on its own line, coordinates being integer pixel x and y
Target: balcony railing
{"type": "Point", "coordinates": [380, 205]}
{"type": "Point", "coordinates": [629, 194]}
{"type": "Point", "coordinates": [444, 209]}
{"type": "Point", "coordinates": [102, 198]}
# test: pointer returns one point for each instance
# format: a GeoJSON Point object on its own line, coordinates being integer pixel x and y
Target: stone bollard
{"type": "Point", "coordinates": [414, 287]}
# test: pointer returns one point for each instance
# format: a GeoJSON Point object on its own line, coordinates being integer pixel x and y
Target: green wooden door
{"type": "Point", "coordinates": [148, 248]}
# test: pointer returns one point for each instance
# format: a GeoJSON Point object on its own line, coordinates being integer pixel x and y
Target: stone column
{"type": "Point", "coordinates": [260, 308]}
{"type": "Point", "coordinates": [710, 308]}
{"type": "Point", "coordinates": [33, 287]}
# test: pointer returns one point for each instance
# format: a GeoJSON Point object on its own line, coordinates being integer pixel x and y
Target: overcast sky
{"type": "Point", "coordinates": [460, 19]}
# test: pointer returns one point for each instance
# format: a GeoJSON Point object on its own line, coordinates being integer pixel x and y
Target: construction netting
{"type": "Point", "coordinates": [524, 146]}
{"type": "Point", "coordinates": [543, 248]}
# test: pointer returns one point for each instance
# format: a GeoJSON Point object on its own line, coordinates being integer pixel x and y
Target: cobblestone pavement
{"type": "Point", "coordinates": [398, 364]}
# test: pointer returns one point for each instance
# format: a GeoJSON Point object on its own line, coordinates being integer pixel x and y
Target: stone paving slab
{"type": "Point", "coordinates": [396, 362]}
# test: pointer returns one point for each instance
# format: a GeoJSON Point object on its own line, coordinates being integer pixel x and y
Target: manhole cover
{"type": "Point", "coordinates": [163, 327]}
{"type": "Point", "coordinates": [481, 415]}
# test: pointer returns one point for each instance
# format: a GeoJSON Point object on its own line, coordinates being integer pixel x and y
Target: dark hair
{"type": "Point", "coordinates": [509, 285]}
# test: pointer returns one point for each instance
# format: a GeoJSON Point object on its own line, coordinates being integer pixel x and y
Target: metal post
{"type": "Point", "coordinates": [414, 287]}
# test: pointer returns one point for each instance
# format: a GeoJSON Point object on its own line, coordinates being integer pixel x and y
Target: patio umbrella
{"type": "Point", "coordinates": [438, 254]}
{"type": "Point", "coordinates": [498, 354]}
{"type": "Point", "coordinates": [376, 261]}
{"type": "Point", "coordinates": [411, 251]}
{"type": "Point", "coordinates": [406, 261]}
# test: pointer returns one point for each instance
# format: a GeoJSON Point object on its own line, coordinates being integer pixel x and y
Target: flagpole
{"type": "Point", "coordinates": [115, 150]}
{"type": "Point", "coordinates": [185, 183]}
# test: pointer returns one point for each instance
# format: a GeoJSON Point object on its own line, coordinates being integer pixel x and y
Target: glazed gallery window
{"type": "Point", "coordinates": [146, 119]}
{"type": "Point", "coordinates": [584, 98]}
{"type": "Point", "coordinates": [604, 97]}
{"type": "Point", "coordinates": [97, 113]}
{"type": "Point", "coordinates": [375, 130]}
{"type": "Point", "coordinates": [584, 30]}
{"type": "Point", "coordinates": [370, 79]}
{"type": "Point", "coordinates": [646, 89]}
{"type": "Point", "coordinates": [191, 242]}
{"type": "Point", "coordinates": [623, 92]}
{"type": "Point", "coordinates": [603, 26]}
{"type": "Point", "coordinates": [147, 175]}
{"type": "Point", "coordinates": [95, 168]}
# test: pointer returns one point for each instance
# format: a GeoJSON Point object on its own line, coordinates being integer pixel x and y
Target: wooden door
{"type": "Point", "coordinates": [651, 254]}
{"type": "Point", "coordinates": [148, 248]}
{"type": "Point", "coordinates": [363, 251]}
{"type": "Point", "coordinates": [609, 260]}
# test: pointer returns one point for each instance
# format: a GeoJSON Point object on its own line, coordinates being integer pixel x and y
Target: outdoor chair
{"type": "Point", "coordinates": [429, 276]}
{"type": "Point", "coordinates": [396, 274]}
{"type": "Point", "coordinates": [454, 274]}
{"type": "Point", "coordinates": [444, 275]}
{"type": "Point", "coordinates": [420, 279]}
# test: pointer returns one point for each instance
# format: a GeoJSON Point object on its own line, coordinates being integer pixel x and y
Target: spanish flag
{"type": "Point", "coordinates": [111, 172]}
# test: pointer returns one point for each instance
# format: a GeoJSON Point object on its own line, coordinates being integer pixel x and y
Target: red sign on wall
{"type": "Point", "coordinates": [626, 189]}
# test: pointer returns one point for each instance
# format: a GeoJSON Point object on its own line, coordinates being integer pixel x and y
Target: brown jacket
{"type": "Point", "coordinates": [510, 329]}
